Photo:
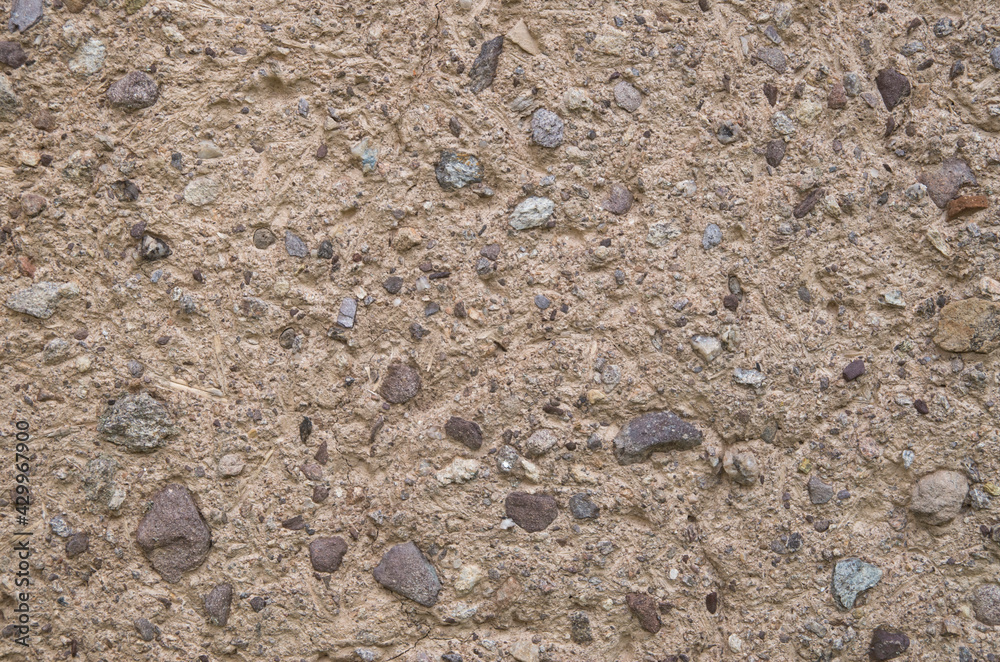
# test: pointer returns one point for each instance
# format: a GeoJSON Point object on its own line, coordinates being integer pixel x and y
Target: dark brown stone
{"type": "Point", "coordinates": [326, 554]}
{"type": "Point", "coordinates": [944, 183]}
{"type": "Point", "coordinates": [531, 512]}
{"type": "Point", "coordinates": [887, 644]}
{"type": "Point", "coordinates": [893, 86]}
{"type": "Point", "coordinates": [771, 93]}
{"type": "Point", "coordinates": [77, 544]}
{"type": "Point", "coordinates": [619, 200]}
{"type": "Point", "coordinates": [218, 603]}
{"type": "Point", "coordinates": [643, 607]}
{"type": "Point", "coordinates": [837, 99]}
{"type": "Point", "coordinates": [173, 534]}
{"type": "Point", "coordinates": [808, 203]}
{"type": "Point", "coordinates": [401, 383]}
{"type": "Point", "coordinates": [466, 432]}
{"type": "Point", "coordinates": [12, 54]}
{"type": "Point", "coordinates": [854, 369]}
{"type": "Point", "coordinates": [775, 152]}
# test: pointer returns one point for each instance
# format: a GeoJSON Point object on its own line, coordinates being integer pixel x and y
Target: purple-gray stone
{"type": "Point", "coordinates": [656, 431]}
{"type": "Point", "coordinates": [24, 14]}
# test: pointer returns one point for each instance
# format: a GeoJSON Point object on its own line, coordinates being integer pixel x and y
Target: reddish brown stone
{"type": "Point", "coordinates": [643, 606]}
{"type": "Point", "coordinates": [837, 98]}
{"type": "Point", "coordinates": [964, 205]}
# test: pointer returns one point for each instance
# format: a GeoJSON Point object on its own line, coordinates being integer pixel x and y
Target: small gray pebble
{"type": "Point", "coordinates": [546, 128]}
{"type": "Point", "coordinates": [712, 237]}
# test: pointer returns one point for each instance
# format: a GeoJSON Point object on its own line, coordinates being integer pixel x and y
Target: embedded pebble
{"type": "Point", "coordinates": [400, 383]}
{"type": "Point", "coordinates": [986, 604]}
{"type": "Point", "coordinates": [172, 534]}
{"type": "Point", "coordinates": [40, 300]}
{"type": "Point", "coordinates": [887, 643]}
{"type": "Point", "coordinates": [456, 170]}
{"type": "Point", "coordinates": [531, 512]}
{"type": "Point", "coordinates": [851, 577]}
{"type": "Point", "coordinates": [466, 432]}
{"type": "Point", "coordinates": [656, 431]}
{"type": "Point", "coordinates": [619, 200]}
{"type": "Point", "coordinates": [405, 570]}
{"type": "Point", "coordinates": [326, 554]}
{"type": "Point", "coordinates": [581, 507]}
{"type": "Point", "coordinates": [627, 97]}
{"type": "Point", "coordinates": [532, 213]}
{"type": "Point", "coordinates": [643, 607]}
{"type": "Point", "coordinates": [218, 604]}
{"type": "Point", "coordinates": [712, 236]}
{"type": "Point", "coordinates": [138, 422]}
{"type": "Point", "coordinates": [133, 92]}
{"type": "Point", "coordinates": [546, 128]}
{"type": "Point", "coordinates": [937, 497]}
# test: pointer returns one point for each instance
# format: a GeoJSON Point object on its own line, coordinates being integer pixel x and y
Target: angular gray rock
{"type": "Point", "coordinates": [138, 422]}
{"type": "Point", "coordinates": [294, 245]}
{"type": "Point", "coordinates": [466, 432]}
{"type": "Point", "coordinates": [531, 512]}
{"type": "Point", "coordinates": [56, 351]}
{"type": "Point", "coordinates": [326, 554]}
{"type": "Point", "coordinates": [133, 92]}
{"type": "Point", "coordinates": [819, 492]}
{"type": "Point", "coordinates": [851, 577]}
{"type": "Point", "coordinates": [484, 68]}
{"type": "Point", "coordinates": [99, 483]}
{"type": "Point", "coordinates": [406, 571]}
{"type": "Point", "coordinates": [24, 14]}
{"type": "Point", "coordinates": [546, 128]}
{"type": "Point", "coordinates": [712, 236]}
{"type": "Point", "coordinates": [656, 431]}
{"type": "Point", "coordinates": [581, 507]}
{"type": "Point", "coordinates": [173, 535]}
{"type": "Point", "coordinates": [532, 213]}
{"type": "Point", "coordinates": [937, 498]}
{"type": "Point", "coordinates": [218, 604]}
{"type": "Point", "coordinates": [146, 630]}
{"type": "Point", "coordinates": [539, 443]}
{"type": "Point", "coordinates": [348, 309]}
{"type": "Point", "coordinates": [774, 58]}
{"type": "Point", "coordinates": [40, 299]}
{"type": "Point", "coordinates": [457, 170]}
